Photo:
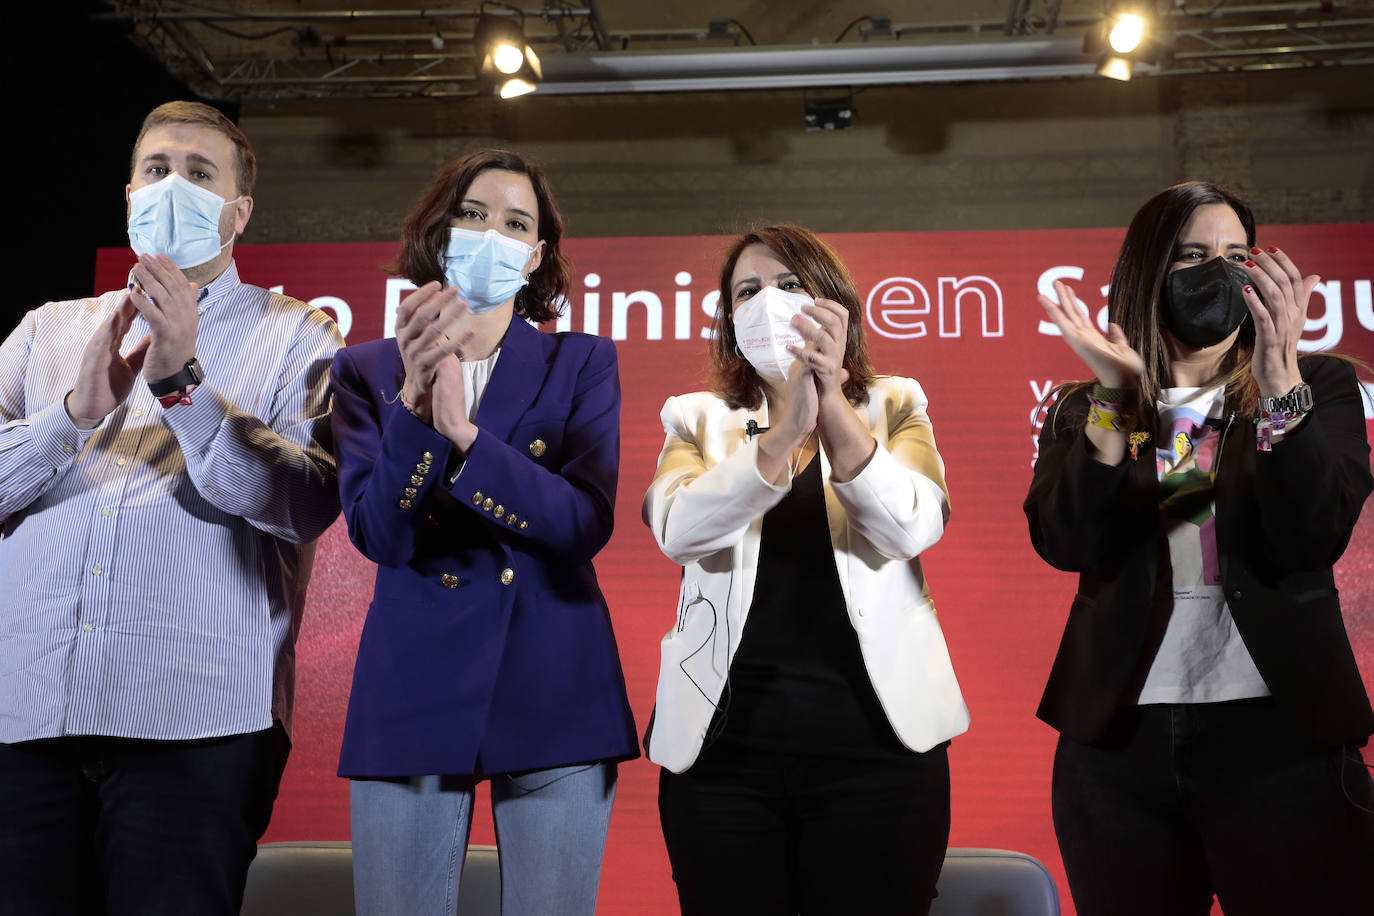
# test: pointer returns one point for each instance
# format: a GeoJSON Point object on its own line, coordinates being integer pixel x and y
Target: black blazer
{"type": "Point", "coordinates": [1283, 519]}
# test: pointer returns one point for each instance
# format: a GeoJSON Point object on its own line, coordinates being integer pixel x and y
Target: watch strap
{"type": "Point", "coordinates": [1297, 401]}
{"type": "Point", "coordinates": [189, 377]}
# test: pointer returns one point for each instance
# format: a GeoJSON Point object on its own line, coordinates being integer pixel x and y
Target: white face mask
{"type": "Point", "coordinates": [177, 218]}
{"type": "Point", "coordinates": [487, 268]}
{"type": "Point", "coordinates": [763, 329]}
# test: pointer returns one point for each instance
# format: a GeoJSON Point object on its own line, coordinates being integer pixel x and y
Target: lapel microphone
{"type": "Point", "coordinates": [752, 429]}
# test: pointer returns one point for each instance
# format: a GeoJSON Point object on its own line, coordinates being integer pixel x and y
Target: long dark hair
{"type": "Point", "coordinates": [424, 233]}
{"type": "Point", "coordinates": [823, 276]}
{"type": "Point", "coordinates": [1149, 249]}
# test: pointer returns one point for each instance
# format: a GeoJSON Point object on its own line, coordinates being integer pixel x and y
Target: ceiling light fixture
{"type": "Point", "coordinates": [505, 61]}
{"type": "Point", "coordinates": [1126, 33]}
{"type": "Point", "coordinates": [1119, 41]}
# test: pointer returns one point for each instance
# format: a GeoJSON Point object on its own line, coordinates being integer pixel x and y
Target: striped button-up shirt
{"type": "Point", "coordinates": [153, 569]}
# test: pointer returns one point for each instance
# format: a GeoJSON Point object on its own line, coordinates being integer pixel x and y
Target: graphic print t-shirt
{"type": "Point", "coordinates": [1201, 658]}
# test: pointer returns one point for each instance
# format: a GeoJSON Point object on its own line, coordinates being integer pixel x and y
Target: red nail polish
{"type": "Point", "coordinates": [1273, 250]}
{"type": "Point", "coordinates": [1249, 289]}
{"type": "Point", "coordinates": [1254, 251]}
{"type": "Point", "coordinates": [1249, 263]}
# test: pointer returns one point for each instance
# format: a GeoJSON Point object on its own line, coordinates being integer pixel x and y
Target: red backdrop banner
{"type": "Point", "coordinates": [957, 311]}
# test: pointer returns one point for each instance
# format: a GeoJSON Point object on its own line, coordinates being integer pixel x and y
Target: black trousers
{"type": "Point", "coordinates": [92, 825]}
{"type": "Point", "coordinates": [1180, 802]}
{"type": "Point", "coordinates": [764, 834]}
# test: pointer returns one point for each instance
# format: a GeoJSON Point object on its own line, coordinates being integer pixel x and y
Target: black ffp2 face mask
{"type": "Point", "coordinates": [1203, 304]}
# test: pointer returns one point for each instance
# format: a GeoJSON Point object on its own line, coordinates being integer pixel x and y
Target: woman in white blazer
{"type": "Point", "coordinates": [806, 697]}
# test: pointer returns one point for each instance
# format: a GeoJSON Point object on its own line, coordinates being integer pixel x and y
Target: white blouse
{"type": "Point", "coordinates": [476, 374]}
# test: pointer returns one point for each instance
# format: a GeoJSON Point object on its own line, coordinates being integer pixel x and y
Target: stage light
{"type": "Point", "coordinates": [1126, 33]}
{"type": "Point", "coordinates": [1119, 41]}
{"type": "Point", "coordinates": [507, 58]}
{"type": "Point", "coordinates": [1113, 67]}
{"type": "Point", "coordinates": [515, 87]}
{"type": "Point", "coordinates": [506, 64]}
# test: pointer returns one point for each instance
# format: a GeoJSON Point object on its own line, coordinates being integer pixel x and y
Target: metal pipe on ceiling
{"type": "Point", "coordinates": [794, 66]}
{"type": "Point", "coordinates": [140, 15]}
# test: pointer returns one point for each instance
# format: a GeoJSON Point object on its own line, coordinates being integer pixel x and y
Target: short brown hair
{"type": "Point", "coordinates": [823, 276]}
{"type": "Point", "coordinates": [198, 113]}
{"type": "Point", "coordinates": [424, 233]}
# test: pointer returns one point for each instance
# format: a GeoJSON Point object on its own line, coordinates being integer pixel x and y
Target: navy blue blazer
{"type": "Point", "coordinates": [488, 645]}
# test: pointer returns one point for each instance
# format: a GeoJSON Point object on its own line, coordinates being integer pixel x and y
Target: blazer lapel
{"type": "Point", "coordinates": [516, 380]}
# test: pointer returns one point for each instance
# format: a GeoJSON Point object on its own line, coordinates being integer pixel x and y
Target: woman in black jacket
{"type": "Point", "coordinates": [1209, 707]}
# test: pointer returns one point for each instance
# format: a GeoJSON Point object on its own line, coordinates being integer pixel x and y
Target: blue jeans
{"type": "Point", "coordinates": [410, 837]}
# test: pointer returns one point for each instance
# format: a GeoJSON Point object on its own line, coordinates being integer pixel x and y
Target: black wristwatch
{"type": "Point", "coordinates": [189, 376]}
{"type": "Point", "coordinates": [1299, 400]}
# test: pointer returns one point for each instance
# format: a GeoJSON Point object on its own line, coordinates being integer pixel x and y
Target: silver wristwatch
{"type": "Point", "coordinates": [1299, 400]}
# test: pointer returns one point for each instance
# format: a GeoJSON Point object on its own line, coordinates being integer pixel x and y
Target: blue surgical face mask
{"type": "Point", "coordinates": [177, 218]}
{"type": "Point", "coordinates": [487, 268]}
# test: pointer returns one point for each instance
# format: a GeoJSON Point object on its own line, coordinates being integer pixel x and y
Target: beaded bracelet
{"type": "Point", "coordinates": [1270, 427]}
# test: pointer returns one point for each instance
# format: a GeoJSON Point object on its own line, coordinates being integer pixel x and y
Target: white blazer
{"type": "Point", "coordinates": [706, 506]}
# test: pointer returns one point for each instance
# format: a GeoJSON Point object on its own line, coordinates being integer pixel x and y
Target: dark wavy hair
{"type": "Point", "coordinates": [424, 234]}
{"type": "Point", "coordinates": [823, 276]}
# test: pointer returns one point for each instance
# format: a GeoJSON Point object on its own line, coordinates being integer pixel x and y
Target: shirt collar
{"type": "Point", "coordinates": [213, 291]}
{"type": "Point", "coordinates": [219, 287]}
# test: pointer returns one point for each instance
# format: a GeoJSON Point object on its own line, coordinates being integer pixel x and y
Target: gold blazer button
{"type": "Point", "coordinates": [538, 448]}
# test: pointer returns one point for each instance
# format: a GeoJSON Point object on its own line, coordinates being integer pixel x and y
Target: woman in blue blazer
{"type": "Point", "coordinates": [477, 463]}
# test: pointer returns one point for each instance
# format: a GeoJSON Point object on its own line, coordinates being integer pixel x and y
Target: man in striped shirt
{"type": "Point", "coordinates": [164, 471]}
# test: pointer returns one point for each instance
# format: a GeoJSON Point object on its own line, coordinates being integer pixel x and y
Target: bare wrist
{"type": "Point", "coordinates": [415, 406]}
{"type": "Point", "coordinates": [781, 440]}
{"type": "Point", "coordinates": [464, 437]}
{"type": "Point", "coordinates": [1279, 389]}
{"type": "Point", "coordinates": [1117, 380]}
{"type": "Point", "coordinates": [79, 422]}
